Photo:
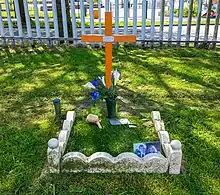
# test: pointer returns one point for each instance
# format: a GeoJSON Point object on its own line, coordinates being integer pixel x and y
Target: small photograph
{"type": "Point", "coordinates": [143, 149]}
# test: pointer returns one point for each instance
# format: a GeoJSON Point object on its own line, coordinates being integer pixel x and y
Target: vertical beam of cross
{"type": "Point", "coordinates": [108, 49]}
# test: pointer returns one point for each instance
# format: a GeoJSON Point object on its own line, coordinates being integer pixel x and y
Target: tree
{"type": "Point", "coordinates": [60, 20]}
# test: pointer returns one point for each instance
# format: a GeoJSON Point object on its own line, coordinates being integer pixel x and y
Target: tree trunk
{"type": "Point", "coordinates": [21, 7]}
{"type": "Point", "coordinates": [69, 24]}
{"type": "Point", "coordinates": [59, 17]}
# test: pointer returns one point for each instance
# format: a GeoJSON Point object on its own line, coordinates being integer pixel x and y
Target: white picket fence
{"type": "Point", "coordinates": [154, 24]}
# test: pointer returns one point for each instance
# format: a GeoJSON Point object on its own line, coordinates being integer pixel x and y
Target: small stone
{"type": "Point", "coordinates": [148, 123]}
{"type": "Point", "coordinates": [176, 144]}
{"type": "Point", "coordinates": [53, 143]}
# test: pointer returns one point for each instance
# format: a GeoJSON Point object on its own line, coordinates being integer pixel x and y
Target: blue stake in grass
{"type": "Point", "coordinates": [56, 103]}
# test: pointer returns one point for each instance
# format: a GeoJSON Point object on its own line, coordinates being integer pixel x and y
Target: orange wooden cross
{"type": "Point", "coordinates": [108, 39]}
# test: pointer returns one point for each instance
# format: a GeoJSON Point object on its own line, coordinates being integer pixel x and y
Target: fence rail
{"type": "Point", "coordinates": [153, 21]}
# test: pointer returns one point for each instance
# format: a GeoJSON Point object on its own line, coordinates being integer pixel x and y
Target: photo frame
{"type": "Point", "coordinates": [145, 148]}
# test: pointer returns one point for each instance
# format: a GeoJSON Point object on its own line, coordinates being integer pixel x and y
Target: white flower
{"type": "Point", "coordinates": [116, 76]}
{"type": "Point", "coordinates": [102, 79]}
{"type": "Point", "coordinates": [89, 85]}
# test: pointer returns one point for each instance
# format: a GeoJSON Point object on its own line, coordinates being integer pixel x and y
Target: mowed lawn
{"type": "Point", "coordinates": [183, 84]}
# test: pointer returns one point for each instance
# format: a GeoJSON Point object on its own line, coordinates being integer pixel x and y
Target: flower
{"type": "Point", "coordinates": [89, 85]}
{"type": "Point", "coordinates": [95, 82]}
{"type": "Point", "coordinates": [116, 75]}
{"type": "Point", "coordinates": [102, 79]}
{"type": "Point", "coordinates": [95, 95]}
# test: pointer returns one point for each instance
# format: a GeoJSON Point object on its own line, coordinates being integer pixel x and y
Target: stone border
{"type": "Point", "coordinates": [102, 162]}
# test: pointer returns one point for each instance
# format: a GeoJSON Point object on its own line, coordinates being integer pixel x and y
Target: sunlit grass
{"type": "Point", "coordinates": [182, 83]}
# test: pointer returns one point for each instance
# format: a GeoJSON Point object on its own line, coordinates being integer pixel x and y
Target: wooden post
{"type": "Point", "coordinates": [135, 17]}
{"type": "Point", "coordinates": [170, 35]}
{"type": "Point", "coordinates": [73, 12]}
{"type": "Point", "coordinates": [180, 21]}
{"type": "Point", "coordinates": [152, 27]}
{"type": "Point", "coordinates": [125, 17]}
{"type": "Point", "coordinates": [189, 21]}
{"type": "Point", "coordinates": [116, 16]}
{"type": "Point", "coordinates": [91, 15]}
{"type": "Point", "coordinates": [198, 21]}
{"type": "Point", "coordinates": [55, 18]}
{"type": "Point", "coordinates": [11, 30]}
{"type": "Point", "coordinates": [216, 24]}
{"type": "Point", "coordinates": [18, 16]}
{"type": "Point", "coordinates": [37, 22]}
{"type": "Point", "coordinates": [2, 30]}
{"type": "Point", "coordinates": [143, 26]}
{"type": "Point", "coordinates": [82, 16]}
{"type": "Point", "coordinates": [108, 49]}
{"type": "Point", "coordinates": [161, 21]}
{"type": "Point", "coordinates": [64, 19]}
{"type": "Point", "coordinates": [207, 23]}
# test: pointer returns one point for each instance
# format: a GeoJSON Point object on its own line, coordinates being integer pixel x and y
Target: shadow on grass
{"type": "Point", "coordinates": [179, 83]}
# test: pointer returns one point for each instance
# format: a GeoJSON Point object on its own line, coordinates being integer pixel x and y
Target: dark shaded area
{"type": "Point", "coordinates": [190, 116]}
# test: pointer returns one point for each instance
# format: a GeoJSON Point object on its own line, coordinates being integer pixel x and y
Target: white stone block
{"type": "Point", "coordinates": [155, 115]}
{"type": "Point", "coordinates": [67, 125]}
{"type": "Point", "coordinates": [175, 157]}
{"type": "Point", "coordinates": [159, 126]}
{"type": "Point", "coordinates": [70, 116]}
{"type": "Point", "coordinates": [62, 146]}
{"type": "Point", "coordinates": [164, 137]}
{"type": "Point", "coordinates": [53, 157]}
{"type": "Point", "coordinates": [63, 136]}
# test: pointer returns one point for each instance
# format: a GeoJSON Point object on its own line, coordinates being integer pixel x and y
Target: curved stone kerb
{"type": "Point", "coordinates": [70, 156]}
{"type": "Point", "coordinates": [107, 157]}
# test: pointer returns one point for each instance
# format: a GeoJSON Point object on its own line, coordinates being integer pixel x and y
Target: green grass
{"type": "Point", "coordinates": [183, 84]}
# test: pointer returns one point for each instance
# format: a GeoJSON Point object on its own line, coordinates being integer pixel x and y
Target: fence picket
{"type": "Point", "coordinates": [18, 16]}
{"type": "Point", "coordinates": [11, 30]}
{"type": "Point", "coordinates": [73, 12]}
{"type": "Point", "coordinates": [116, 16]}
{"type": "Point", "coordinates": [82, 16]}
{"type": "Point", "coordinates": [189, 21]}
{"type": "Point", "coordinates": [171, 15]}
{"type": "Point", "coordinates": [91, 15]}
{"type": "Point", "coordinates": [55, 19]}
{"type": "Point", "coordinates": [215, 35]}
{"type": "Point", "coordinates": [64, 19]}
{"type": "Point", "coordinates": [2, 30]}
{"type": "Point", "coordinates": [100, 19]}
{"type": "Point", "coordinates": [198, 21]}
{"type": "Point", "coordinates": [121, 9]}
{"type": "Point", "coordinates": [36, 15]}
{"type": "Point", "coordinates": [207, 22]}
{"type": "Point", "coordinates": [143, 26]}
{"type": "Point", "coordinates": [180, 21]}
{"type": "Point", "coordinates": [135, 17]}
{"type": "Point", "coordinates": [28, 22]}
{"type": "Point", "coordinates": [107, 5]}
{"type": "Point", "coordinates": [162, 21]}
{"type": "Point", "coordinates": [152, 27]}
{"type": "Point", "coordinates": [46, 20]}
{"type": "Point", "coordinates": [125, 17]}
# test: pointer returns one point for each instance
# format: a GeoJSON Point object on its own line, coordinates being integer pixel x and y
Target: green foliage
{"type": "Point", "coordinates": [183, 84]}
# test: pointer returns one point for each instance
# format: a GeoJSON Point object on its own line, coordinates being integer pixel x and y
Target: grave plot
{"type": "Point", "coordinates": [169, 160]}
